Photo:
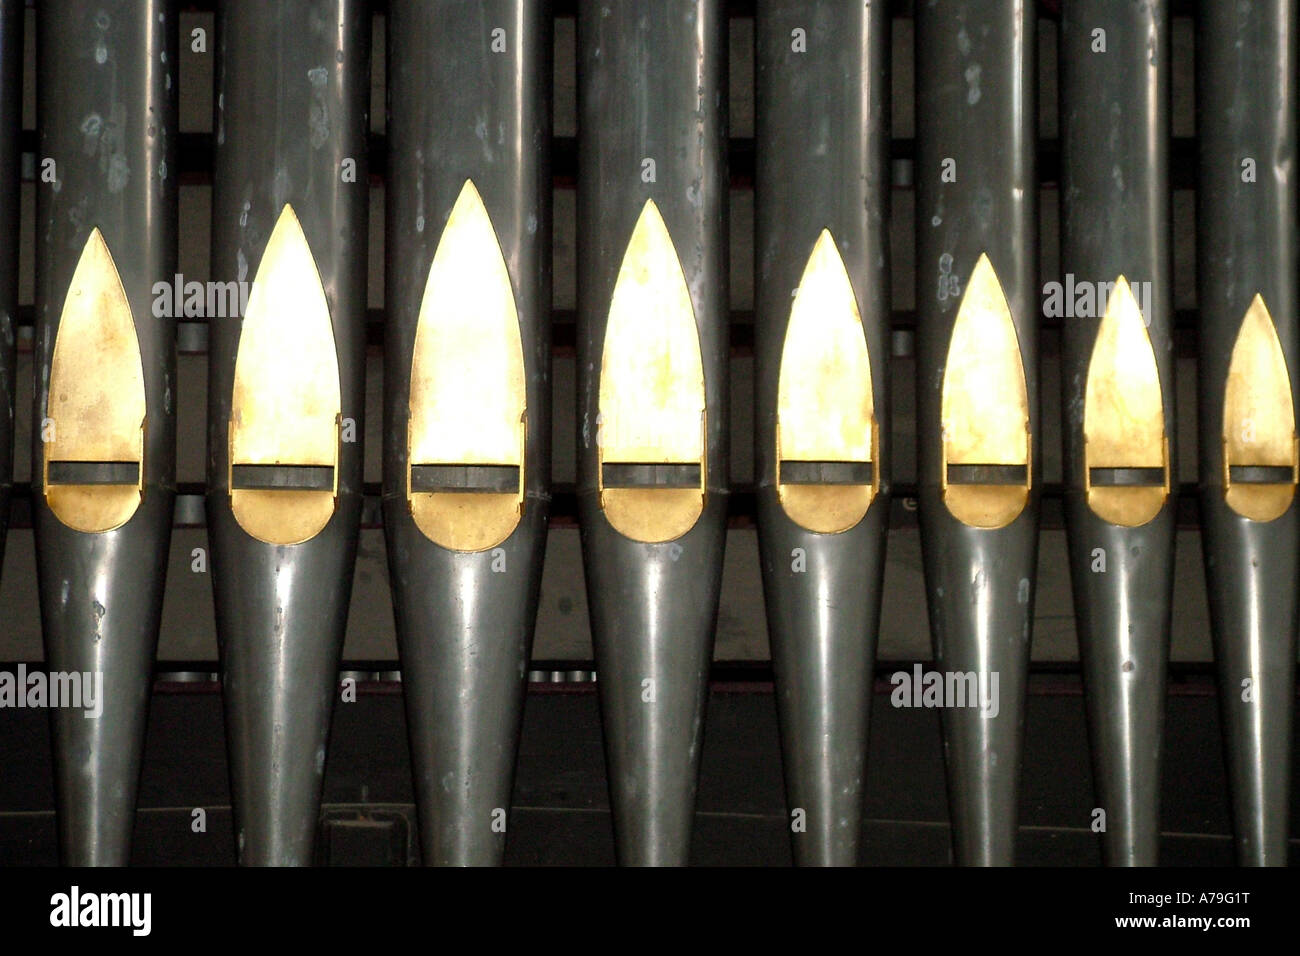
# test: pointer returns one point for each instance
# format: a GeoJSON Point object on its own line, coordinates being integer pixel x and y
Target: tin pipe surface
{"type": "Point", "coordinates": [822, 167]}
{"type": "Point", "coordinates": [469, 112]}
{"type": "Point", "coordinates": [11, 82]}
{"type": "Point", "coordinates": [1246, 245]}
{"type": "Point", "coordinates": [293, 86]}
{"type": "Point", "coordinates": [977, 210]}
{"type": "Point", "coordinates": [1115, 213]}
{"type": "Point", "coordinates": [652, 196]}
{"type": "Point", "coordinates": [106, 116]}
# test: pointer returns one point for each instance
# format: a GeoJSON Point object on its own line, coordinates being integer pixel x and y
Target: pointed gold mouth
{"type": "Point", "coordinates": [986, 471]}
{"type": "Point", "coordinates": [468, 425]}
{"type": "Point", "coordinates": [650, 433]}
{"type": "Point", "coordinates": [93, 462]}
{"type": "Point", "coordinates": [1261, 455]}
{"type": "Point", "coordinates": [1125, 448]}
{"type": "Point", "coordinates": [285, 410]}
{"type": "Point", "coordinates": [827, 438]}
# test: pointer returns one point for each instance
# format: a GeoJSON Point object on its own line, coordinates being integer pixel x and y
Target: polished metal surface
{"type": "Point", "coordinates": [1115, 209]}
{"type": "Point", "coordinates": [465, 615]}
{"type": "Point", "coordinates": [871, 409]}
{"type": "Point", "coordinates": [106, 116]}
{"type": "Point", "coordinates": [291, 124]}
{"type": "Point", "coordinates": [822, 186]}
{"type": "Point", "coordinates": [1247, 248]}
{"type": "Point", "coordinates": [11, 81]}
{"type": "Point", "coordinates": [977, 197]}
{"type": "Point", "coordinates": [661, 69]}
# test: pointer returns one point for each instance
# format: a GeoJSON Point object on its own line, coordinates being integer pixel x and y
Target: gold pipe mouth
{"type": "Point", "coordinates": [986, 471]}
{"type": "Point", "coordinates": [1126, 466]}
{"type": "Point", "coordinates": [827, 436]}
{"type": "Point", "coordinates": [286, 420]}
{"type": "Point", "coordinates": [652, 424]}
{"type": "Point", "coordinates": [1261, 452]}
{"type": "Point", "coordinates": [93, 461]}
{"type": "Point", "coordinates": [467, 434]}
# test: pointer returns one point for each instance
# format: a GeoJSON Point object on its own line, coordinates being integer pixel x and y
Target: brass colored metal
{"type": "Point", "coordinates": [286, 404]}
{"type": "Point", "coordinates": [1123, 414]}
{"type": "Point", "coordinates": [985, 411]}
{"type": "Point", "coordinates": [96, 400]}
{"type": "Point", "coordinates": [1259, 418]}
{"type": "Point", "coordinates": [468, 403]}
{"type": "Point", "coordinates": [825, 406]}
{"type": "Point", "coordinates": [651, 387]}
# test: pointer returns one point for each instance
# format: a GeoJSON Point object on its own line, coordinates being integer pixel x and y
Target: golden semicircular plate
{"type": "Point", "coordinates": [96, 399]}
{"type": "Point", "coordinates": [825, 407]}
{"type": "Point", "coordinates": [985, 405]}
{"type": "Point", "coordinates": [1123, 414]}
{"type": "Point", "coordinates": [285, 408]}
{"type": "Point", "coordinates": [1259, 418]}
{"type": "Point", "coordinates": [651, 401]}
{"type": "Point", "coordinates": [468, 398]}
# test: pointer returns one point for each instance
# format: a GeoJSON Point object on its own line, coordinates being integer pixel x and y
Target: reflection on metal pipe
{"type": "Point", "coordinates": [977, 388]}
{"type": "Point", "coordinates": [822, 386]}
{"type": "Point", "coordinates": [1246, 272]}
{"type": "Point", "coordinates": [652, 386]}
{"type": "Point", "coordinates": [1118, 399]}
{"type": "Point", "coordinates": [285, 397]}
{"type": "Point", "coordinates": [11, 79]}
{"type": "Point", "coordinates": [467, 396]}
{"type": "Point", "coordinates": [105, 369]}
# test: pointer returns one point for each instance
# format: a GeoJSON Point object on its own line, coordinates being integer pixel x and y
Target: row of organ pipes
{"type": "Point", "coordinates": [466, 456]}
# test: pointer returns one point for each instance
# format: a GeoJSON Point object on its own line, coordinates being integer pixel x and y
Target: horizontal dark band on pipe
{"type": "Point", "coordinates": [282, 478]}
{"type": "Point", "coordinates": [1048, 678]}
{"type": "Point", "coordinates": [1261, 474]}
{"type": "Point", "coordinates": [826, 472]}
{"type": "Point", "coordinates": [1126, 477]}
{"type": "Point", "coordinates": [742, 507]}
{"type": "Point", "coordinates": [461, 479]}
{"type": "Point", "coordinates": [195, 157]}
{"type": "Point", "coordinates": [987, 474]}
{"type": "Point", "coordinates": [567, 9]}
{"type": "Point", "coordinates": [633, 475]}
{"type": "Point", "coordinates": [93, 473]}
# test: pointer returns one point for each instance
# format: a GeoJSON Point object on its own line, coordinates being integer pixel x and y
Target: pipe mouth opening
{"type": "Point", "coordinates": [466, 479]}
{"type": "Point", "coordinates": [282, 478]}
{"type": "Point", "coordinates": [1126, 477]}
{"type": "Point", "coordinates": [651, 475]}
{"type": "Point", "coordinates": [838, 473]}
{"type": "Point", "coordinates": [993, 475]}
{"type": "Point", "coordinates": [93, 473]}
